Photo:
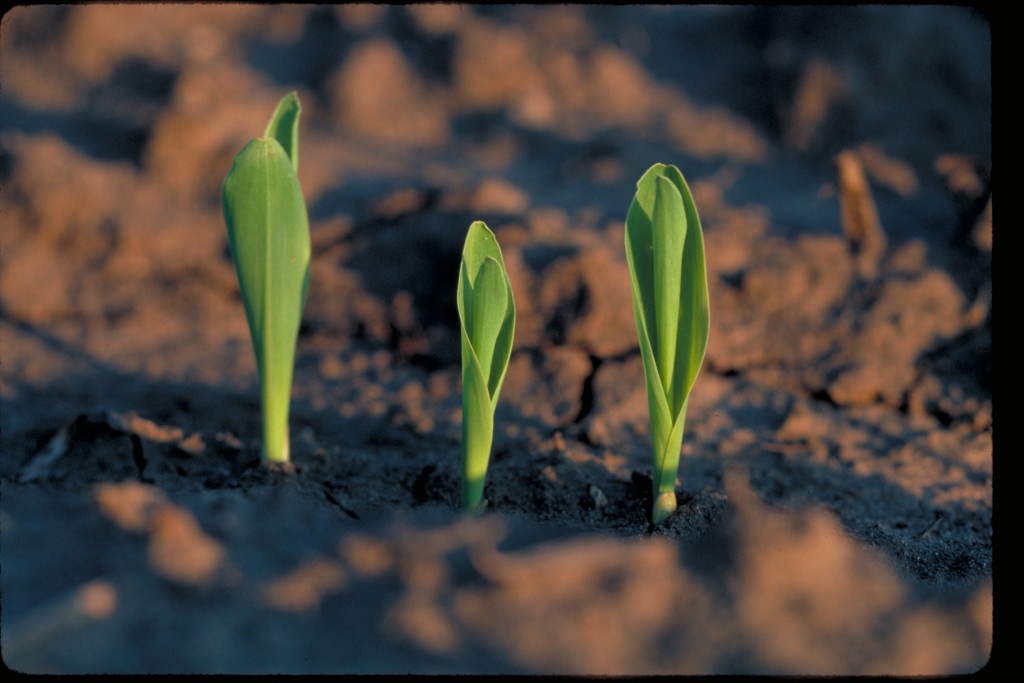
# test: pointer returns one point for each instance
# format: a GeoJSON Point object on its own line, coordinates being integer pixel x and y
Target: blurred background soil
{"type": "Point", "coordinates": [836, 480]}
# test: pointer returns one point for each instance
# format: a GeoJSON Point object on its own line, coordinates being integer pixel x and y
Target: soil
{"type": "Point", "coordinates": [836, 480]}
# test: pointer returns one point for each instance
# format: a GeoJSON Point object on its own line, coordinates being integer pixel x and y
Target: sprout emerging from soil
{"type": "Point", "coordinates": [268, 233]}
{"type": "Point", "coordinates": [487, 313]}
{"type": "Point", "coordinates": [665, 253]}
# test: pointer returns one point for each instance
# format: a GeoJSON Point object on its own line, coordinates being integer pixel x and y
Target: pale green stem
{"type": "Point", "coordinates": [666, 459]}
{"type": "Point", "coordinates": [276, 447]}
{"type": "Point", "coordinates": [476, 453]}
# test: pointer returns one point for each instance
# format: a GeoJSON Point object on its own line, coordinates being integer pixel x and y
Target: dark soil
{"type": "Point", "coordinates": [836, 481]}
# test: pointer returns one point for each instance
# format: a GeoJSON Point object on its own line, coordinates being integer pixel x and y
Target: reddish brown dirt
{"type": "Point", "coordinates": [836, 479]}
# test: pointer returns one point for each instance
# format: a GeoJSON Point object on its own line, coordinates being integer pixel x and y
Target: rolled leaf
{"type": "Point", "coordinates": [284, 126]}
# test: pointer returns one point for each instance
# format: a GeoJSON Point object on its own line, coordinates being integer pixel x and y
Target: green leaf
{"type": "Point", "coordinates": [640, 255]}
{"type": "Point", "coordinates": [669, 235]}
{"type": "Point", "coordinates": [503, 344]}
{"type": "Point", "coordinates": [695, 307]}
{"type": "Point", "coordinates": [268, 233]}
{"type": "Point", "coordinates": [284, 126]}
{"type": "Point", "coordinates": [488, 302]}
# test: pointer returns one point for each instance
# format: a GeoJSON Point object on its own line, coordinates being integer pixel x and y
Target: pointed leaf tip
{"type": "Point", "coordinates": [283, 126]}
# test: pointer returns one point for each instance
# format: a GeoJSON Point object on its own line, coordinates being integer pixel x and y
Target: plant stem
{"type": "Point", "coordinates": [476, 451]}
{"type": "Point", "coordinates": [666, 465]}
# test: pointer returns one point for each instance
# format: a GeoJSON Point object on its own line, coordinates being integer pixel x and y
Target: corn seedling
{"type": "Point", "coordinates": [487, 313]}
{"type": "Point", "coordinates": [268, 234]}
{"type": "Point", "coordinates": [665, 253]}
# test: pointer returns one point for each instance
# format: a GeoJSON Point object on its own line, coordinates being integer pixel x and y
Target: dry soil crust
{"type": "Point", "coordinates": [836, 482]}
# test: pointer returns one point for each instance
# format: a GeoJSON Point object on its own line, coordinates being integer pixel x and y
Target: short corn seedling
{"type": "Point", "coordinates": [268, 233]}
{"type": "Point", "coordinates": [665, 253]}
{"type": "Point", "coordinates": [487, 313]}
